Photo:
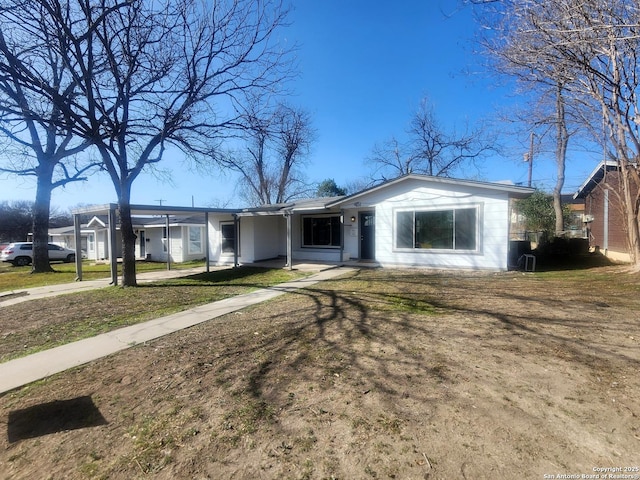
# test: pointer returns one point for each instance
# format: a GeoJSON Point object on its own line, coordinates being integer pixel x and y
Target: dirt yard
{"type": "Point", "coordinates": [378, 374]}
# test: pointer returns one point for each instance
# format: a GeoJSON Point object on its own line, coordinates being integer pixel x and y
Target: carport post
{"type": "Point", "coordinates": [236, 239]}
{"type": "Point", "coordinates": [341, 235]}
{"type": "Point", "coordinates": [206, 241]}
{"type": "Point", "coordinates": [289, 241]}
{"type": "Point", "coordinates": [77, 240]}
{"type": "Point", "coordinates": [168, 244]}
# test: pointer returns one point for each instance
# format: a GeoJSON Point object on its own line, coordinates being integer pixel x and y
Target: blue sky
{"type": "Point", "coordinates": [364, 66]}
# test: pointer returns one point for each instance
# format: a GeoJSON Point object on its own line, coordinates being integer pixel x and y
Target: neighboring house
{"type": "Point", "coordinates": [604, 217]}
{"type": "Point", "coordinates": [412, 221]}
{"type": "Point", "coordinates": [65, 237]}
{"type": "Point", "coordinates": [181, 237]}
{"type": "Point", "coordinates": [185, 238]}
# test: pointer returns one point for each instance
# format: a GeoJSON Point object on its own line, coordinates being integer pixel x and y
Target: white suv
{"type": "Point", "coordinates": [19, 253]}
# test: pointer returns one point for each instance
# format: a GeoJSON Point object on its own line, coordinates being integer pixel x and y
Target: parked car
{"type": "Point", "coordinates": [20, 253]}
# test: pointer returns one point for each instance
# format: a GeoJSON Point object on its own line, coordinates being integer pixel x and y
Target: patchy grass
{"type": "Point", "coordinates": [41, 324]}
{"type": "Point", "coordinates": [16, 278]}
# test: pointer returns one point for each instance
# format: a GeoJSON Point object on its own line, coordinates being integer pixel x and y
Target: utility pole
{"type": "Point", "coordinates": [528, 157]}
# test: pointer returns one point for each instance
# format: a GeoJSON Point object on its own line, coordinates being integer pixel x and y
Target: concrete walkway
{"type": "Point", "coordinates": [22, 371]}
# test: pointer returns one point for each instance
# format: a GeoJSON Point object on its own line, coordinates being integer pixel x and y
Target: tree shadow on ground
{"type": "Point", "coordinates": [340, 330]}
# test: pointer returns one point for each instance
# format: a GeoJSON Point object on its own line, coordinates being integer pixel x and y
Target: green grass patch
{"type": "Point", "coordinates": [72, 317]}
{"type": "Point", "coordinates": [18, 278]}
{"type": "Point", "coordinates": [399, 303]}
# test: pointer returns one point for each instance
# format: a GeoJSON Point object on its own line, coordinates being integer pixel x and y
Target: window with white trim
{"type": "Point", "coordinates": [228, 237]}
{"type": "Point", "coordinates": [165, 238]}
{"type": "Point", "coordinates": [321, 231]}
{"type": "Point", "coordinates": [446, 229]}
{"type": "Point", "coordinates": [195, 240]}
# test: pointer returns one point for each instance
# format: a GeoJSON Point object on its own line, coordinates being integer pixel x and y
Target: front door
{"type": "Point", "coordinates": [367, 236]}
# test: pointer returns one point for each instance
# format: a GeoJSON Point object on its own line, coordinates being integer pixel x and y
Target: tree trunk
{"type": "Point", "coordinates": [630, 209]}
{"type": "Point", "coordinates": [128, 238]}
{"type": "Point", "coordinates": [562, 139]}
{"type": "Point", "coordinates": [42, 208]}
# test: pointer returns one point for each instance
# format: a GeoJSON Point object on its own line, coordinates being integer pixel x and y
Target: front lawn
{"type": "Point", "coordinates": [36, 325]}
{"type": "Point", "coordinates": [16, 278]}
{"type": "Point", "coordinates": [378, 374]}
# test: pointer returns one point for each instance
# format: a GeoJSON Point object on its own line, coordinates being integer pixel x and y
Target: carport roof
{"type": "Point", "coordinates": [152, 210]}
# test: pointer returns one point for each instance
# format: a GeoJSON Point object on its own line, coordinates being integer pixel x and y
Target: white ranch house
{"type": "Point", "coordinates": [412, 221]}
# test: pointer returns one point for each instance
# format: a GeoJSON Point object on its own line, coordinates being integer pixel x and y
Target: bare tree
{"type": "Point", "coordinates": [429, 150]}
{"type": "Point", "coordinates": [35, 144]}
{"type": "Point", "coordinates": [526, 53]}
{"type": "Point", "coordinates": [154, 74]}
{"type": "Point", "coordinates": [293, 139]}
{"type": "Point", "coordinates": [277, 142]}
{"type": "Point", "coordinates": [391, 159]}
{"type": "Point", "coordinates": [591, 48]}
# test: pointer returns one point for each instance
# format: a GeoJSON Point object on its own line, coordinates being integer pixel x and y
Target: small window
{"type": "Point", "coordinates": [164, 239]}
{"type": "Point", "coordinates": [321, 231]}
{"type": "Point", "coordinates": [195, 240]}
{"type": "Point", "coordinates": [228, 234]}
{"type": "Point", "coordinates": [454, 229]}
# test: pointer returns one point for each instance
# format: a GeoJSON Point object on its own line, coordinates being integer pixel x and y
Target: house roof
{"type": "Point", "coordinates": [305, 204]}
{"type": "Point", "coordinates": [68, 230]}
{"type": "Point", "coordinates": [100, 220]}
{"type": "Point", "coordinates": [595, 178]}
{"type": "Point", "coordinates": [513, 190]}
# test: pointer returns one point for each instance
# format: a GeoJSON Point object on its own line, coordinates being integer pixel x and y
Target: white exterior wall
{"type": "Point", "coordinates": [247, 240]}
{"type": "Point", "coordinates": [155, 244]}
{"type": "Point", "coordinates": [177, 244]}
{"type": "Point", "coordinates": [493, 229]}
{"type": "Point", "coordinates": [282, 237]}
{"type": "Point", "coordinates": [216, 256]}
{"type": "Point", "coordinates": [102, 244]}
{"type": "Point", "coordinates": [266, 236]}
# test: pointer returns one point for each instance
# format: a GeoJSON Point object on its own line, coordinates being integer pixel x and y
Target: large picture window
{"type": "Point", "coordinates": [452, 229]}
{"type": "Point", "coordinates": [321, 231]}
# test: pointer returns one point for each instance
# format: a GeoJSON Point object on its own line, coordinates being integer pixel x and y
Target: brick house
{"type": "Point", "coordinates": [604, 216]}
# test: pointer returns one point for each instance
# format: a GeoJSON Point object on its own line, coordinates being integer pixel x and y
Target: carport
{"type": "Point", "coordinates": [111, 211]}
